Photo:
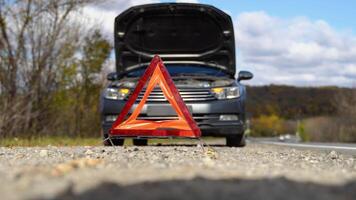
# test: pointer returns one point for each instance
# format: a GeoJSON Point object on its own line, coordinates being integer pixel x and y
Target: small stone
{"type": "Point", "coordinates": [43, 153]}
{"type": "Point", "coordinates": [314, 161]}
{"type": "Point", "coordinates": [184, 149]}
{"type": "Point", "coordinates": [350, 162]}
{"type": "Point", "coordinates": [89, 152]}
{"type": "Point", "coordinates": [208, 162]}
{"type": "Point", "coordinates": [333, 155]}
{"type": "Point", "coordinates": [131, 155]}
{"type": "Point", "coordinates": [135, 149]}
{"type": "Point", "coordinates": [64, 168]}
{"type": "Point", "coordinates": [211, 153]}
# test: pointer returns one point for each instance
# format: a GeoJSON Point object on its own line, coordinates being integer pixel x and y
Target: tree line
{"type": "Point", "coordinates": [291, 102]}
{"type": "Point", "coordinates": [323, 114]}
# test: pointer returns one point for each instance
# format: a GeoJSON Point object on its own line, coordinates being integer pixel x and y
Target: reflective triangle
{"type": "Point", "coordinates": [184, 126]}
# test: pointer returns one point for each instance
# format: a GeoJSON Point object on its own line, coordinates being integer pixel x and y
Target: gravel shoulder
{"type": "Point", "coordinates": [175, 172]}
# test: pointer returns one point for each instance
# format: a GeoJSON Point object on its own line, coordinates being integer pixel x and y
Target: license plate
{"type": "Point", "coordinates": [163, 111]}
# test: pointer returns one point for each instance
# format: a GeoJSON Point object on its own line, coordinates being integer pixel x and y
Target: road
{"type": "Point", "coordinates": [258, 171]}
{"type": "Point", "coordinates": [343, 148]}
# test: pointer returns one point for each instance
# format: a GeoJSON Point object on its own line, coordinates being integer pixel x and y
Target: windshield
{"type": "Point", "coordinates": [184, 70]}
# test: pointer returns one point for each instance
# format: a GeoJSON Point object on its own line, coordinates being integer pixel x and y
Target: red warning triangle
{"type": "Point", "coordinates": [184, 126]}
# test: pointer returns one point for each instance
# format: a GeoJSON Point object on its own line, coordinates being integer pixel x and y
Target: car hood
{"type": "Point", "coordinates": [178, 32]}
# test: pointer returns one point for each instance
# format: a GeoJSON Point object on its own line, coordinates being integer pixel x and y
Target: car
{"type": "Point", "coordinates": [197, 45]}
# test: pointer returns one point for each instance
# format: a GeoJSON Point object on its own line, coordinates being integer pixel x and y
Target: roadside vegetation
{"type": "Point", "coordinates": [324, 114]}
{"type": "Point", "coordinates": [50, 141]}
{"type": "Point", "coordinates": [50, 69]}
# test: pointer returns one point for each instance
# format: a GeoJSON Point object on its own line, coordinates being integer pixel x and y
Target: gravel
{"type": "Point", "coordinates": [175, 172]}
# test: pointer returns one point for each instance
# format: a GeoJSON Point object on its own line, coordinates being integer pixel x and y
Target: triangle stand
{"type": "Point", "coordinates": [184, 126]}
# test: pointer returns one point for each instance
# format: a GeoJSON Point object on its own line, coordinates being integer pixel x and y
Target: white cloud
{"type": "Point", "coordinates": [103, 14]}
{"type": "Point", "coordinates": [294, 51]}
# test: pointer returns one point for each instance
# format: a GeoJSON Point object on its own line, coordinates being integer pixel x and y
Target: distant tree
{"type": "Point", "coordinates": [96, 51]}
{"type": "Point", "coordinates": [41, 42]}
{"type": "Point", "coordinates": [346, 103]}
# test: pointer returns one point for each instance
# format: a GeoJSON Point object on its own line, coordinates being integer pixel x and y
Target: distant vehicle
{"type": "Point", "coordinates": [196, 43]}
{"type": "Point", "coordinates": [288, 138]}
{"type": "Point", "coordinates": [284, 137]}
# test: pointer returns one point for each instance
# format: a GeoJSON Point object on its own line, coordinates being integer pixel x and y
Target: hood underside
{"type": "Point", "coordinates": [178, 32]}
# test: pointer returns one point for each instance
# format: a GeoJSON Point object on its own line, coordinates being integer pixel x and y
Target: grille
{"type": "Point", "coordinates": [196, 117]}
{"type": "Point", "coordinates": [188, 94]}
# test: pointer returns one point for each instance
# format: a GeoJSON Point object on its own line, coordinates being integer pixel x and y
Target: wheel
{"type": "Point", "coordinates": [115, 142]}
{"type": "Point", "coordinates": [139, 142]}
{"type": "Point", "coordinates": [236, 141]}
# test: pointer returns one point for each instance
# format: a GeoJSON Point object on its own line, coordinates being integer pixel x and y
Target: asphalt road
{"type": "Point", "coordinates": [344, 148]}
{"type": "Point", "coordinates": [258, 171]}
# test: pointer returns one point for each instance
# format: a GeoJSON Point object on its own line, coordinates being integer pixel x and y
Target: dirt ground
{"type": "Point", "coordinates": [175, 172]}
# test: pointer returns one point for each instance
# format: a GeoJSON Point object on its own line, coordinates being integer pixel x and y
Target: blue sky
{"type": "Point", "coordinates": [340, 14]}
{"type": "Point", "coordinates": [299, 42]}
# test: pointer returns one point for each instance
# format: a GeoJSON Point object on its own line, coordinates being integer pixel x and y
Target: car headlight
{"type": "Point", "coordinates": [226, 92]}
{"type": "Point", "coordinates": [116, 93]}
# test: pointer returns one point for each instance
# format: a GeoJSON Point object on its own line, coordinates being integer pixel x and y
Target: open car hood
{"type": "Point", "coordinates": [178, 32]}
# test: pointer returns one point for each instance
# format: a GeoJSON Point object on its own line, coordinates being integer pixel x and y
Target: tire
{"type": "Point", "coordinates": [236, 141]}
{"type": "Point", "coordinates": [115, 142]}
{"type": "Point", "coordinates": [140, 142]}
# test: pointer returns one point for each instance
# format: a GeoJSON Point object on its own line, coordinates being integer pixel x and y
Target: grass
{"type": "Point", "coordinates": [79, 141]}
{"type": "Point", "coordinates": [50, 140]}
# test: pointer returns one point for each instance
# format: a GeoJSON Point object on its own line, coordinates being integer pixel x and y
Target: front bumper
{"type": "Point", "coordinates": [218, 129]}
{"type": "Point", "coordinates": [206, 114]}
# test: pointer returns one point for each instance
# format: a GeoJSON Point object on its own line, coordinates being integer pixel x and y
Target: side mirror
{"type": "Point", "coordinates": [112, 76]}
{"type": "Point", "coordinates": [244, 75]}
